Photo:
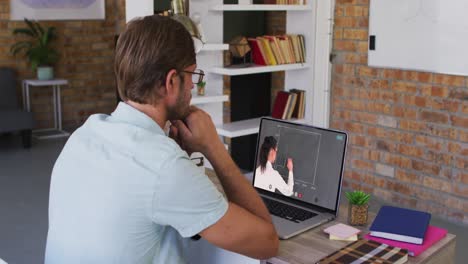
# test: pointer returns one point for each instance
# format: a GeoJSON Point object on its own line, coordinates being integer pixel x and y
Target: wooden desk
{"type": "Point", "coordinates": [312, 245]}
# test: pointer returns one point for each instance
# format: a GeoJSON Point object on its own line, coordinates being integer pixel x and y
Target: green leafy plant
{"type": "Point", "coordinates": [37, 48]}
{"type": "Point", "coordinates": [201, 84]}
{"type": "Point", "coordinates": [358, 197]}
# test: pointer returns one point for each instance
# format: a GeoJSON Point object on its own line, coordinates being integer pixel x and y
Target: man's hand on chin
{"type": "Point", "coordinates": [196, 133]}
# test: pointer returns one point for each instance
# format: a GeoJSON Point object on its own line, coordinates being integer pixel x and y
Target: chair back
{"type": "Point", "coordinates": [8, 97]}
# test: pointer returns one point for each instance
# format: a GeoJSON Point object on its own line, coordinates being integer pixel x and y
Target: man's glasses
{"type": "Point", "coordinates": [197, 75]}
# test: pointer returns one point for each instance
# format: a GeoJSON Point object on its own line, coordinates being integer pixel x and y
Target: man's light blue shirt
{"type": "Point", "coordinates": [123, 192]}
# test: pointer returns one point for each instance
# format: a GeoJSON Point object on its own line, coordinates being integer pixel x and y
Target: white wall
{"type": "Point", "coordinates": [136, 8]}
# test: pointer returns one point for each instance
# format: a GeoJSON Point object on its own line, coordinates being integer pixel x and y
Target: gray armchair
{"type": "Point", "coordinates": [12, 116]}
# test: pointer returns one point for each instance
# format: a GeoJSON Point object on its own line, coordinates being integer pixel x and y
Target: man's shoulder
{"type": "Point", "coordinates": [146, 147]}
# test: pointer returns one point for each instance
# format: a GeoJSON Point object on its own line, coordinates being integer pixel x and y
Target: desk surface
{"type": "Point", "coordinates": [314, 244]}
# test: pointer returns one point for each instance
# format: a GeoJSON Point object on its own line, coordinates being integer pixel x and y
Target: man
{"type": "Point", "coordinates": [123, 192]}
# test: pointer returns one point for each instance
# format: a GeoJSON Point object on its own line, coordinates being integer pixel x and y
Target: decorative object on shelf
{"type": "Point", "coordinates": [201, 88]}
{"type": "Point", "coordinates": [38, 48]}
{"type": "Point", "coordinates": [239, 49]}
{"type": "Point", "coordinates": [196, 18]}
{"type": "Point", "coordinates": [358, 207]}
{"type": "Point", "coordinates": [179, 13]}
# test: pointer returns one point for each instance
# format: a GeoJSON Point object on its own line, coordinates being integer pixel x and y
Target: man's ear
{"type": "Point", "coordinates": [171, 87]}
{"type": "Point", "coordinates": [171, 81]}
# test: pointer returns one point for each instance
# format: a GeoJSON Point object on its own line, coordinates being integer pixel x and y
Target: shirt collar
{"type": "Point", "coordinates": [268, 165]}
{"type": "Point", "coordinates": [128, 114]}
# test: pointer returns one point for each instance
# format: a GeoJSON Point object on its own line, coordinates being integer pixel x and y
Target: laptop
{"type": "Point", "coordinates": [298, 173]}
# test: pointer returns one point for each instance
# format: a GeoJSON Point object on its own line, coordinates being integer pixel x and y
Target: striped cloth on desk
{"type": "Point", "coordinates": [365, 251]}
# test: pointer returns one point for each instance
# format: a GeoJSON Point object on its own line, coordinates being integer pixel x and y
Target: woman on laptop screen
{"type": "Point", "coordinates": [266, 177]}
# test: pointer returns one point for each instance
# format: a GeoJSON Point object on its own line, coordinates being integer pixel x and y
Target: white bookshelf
{"type": "Point", "coordinates": [244, 127]}
{"type": "Point", "coordinates": [257, 69]}
{"type": "Point", "coordinates": [313, 76]}
{"type": "Point", "coordinates": [209, 97]}
{"type": "Point", "coordinates": [261, 8]}
{"type": "Point", "coordinates": [214, 47]}
{"type": "Point", "coordinates": [239, 128]}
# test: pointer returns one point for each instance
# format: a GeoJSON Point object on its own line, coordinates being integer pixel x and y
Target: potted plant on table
{"type": "Point", "coordinates": [37, 48]}
{"type": "Point", "coordinates": [201, 88]}
{"type": "Point", "coordinates": [358, 207]}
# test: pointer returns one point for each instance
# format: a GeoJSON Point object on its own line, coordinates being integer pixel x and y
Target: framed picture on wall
{"type": "Point", "coordinates": [57, 9]}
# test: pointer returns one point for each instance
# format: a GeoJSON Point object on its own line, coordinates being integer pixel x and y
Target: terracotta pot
{"type": "Point", "coordinates": [201, 89]}
{"type": "Point", "coordinates": [357, 214]}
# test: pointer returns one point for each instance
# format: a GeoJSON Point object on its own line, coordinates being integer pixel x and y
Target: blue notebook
{"type": "Point", "coordinates": [400, 224]}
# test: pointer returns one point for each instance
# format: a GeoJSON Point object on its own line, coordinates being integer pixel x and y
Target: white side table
{"type": "Point", "coordinates": [56, 131]}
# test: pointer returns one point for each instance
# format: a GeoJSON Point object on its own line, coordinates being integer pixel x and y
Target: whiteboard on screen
{"type": "Point", "coordinates": [425, 35]}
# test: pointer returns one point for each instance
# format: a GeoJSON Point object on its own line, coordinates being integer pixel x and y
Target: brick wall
{"type": "Point", "coordinates": [408, 130]}
{"type": "Point", "coordinates": [86, 49]}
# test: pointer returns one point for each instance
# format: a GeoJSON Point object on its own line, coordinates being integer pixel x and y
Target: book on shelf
{"type": "Point", "coordinates": [291, 48]}
{"type": "Point", "coordinates": [289, 105]}
{"type": "Point", "coordinates": [274, 50]}
{"type": "Point", "coordinates": [432, 236]}
{"type": "Point", "coordinates": [295, 112]}
{"type": "Point", "coordinates": [257, 54]}
{"type": "Point", "coordinates": [302, 43]}
{"type": "Point", "coordinates": [274, 43]}
{"type": "Point", "coordinates": [267, 50]}
{"type": "Point", "coordinates": [280, 104]}
{"type": "Point", "coordinates": [296, 47]}
{"type": "Point", "coordinates": [400, 224]}
{"type": "Point", "coordinates": [286, 48]}
{"type": "Point", "coordinates": [298, 111]}
{"type": "Point", "coordinates": [366, 251]}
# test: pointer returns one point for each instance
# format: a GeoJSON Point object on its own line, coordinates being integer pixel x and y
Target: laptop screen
{"type": "Point", "coordinates": [300, 162]}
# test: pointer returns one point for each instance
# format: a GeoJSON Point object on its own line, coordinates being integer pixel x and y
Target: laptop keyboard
{"type": "Point", "coordinates": [287, 212]}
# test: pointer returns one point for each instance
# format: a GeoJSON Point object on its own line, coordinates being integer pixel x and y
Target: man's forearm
{"type": "Point", "coordinates": [237, 188]}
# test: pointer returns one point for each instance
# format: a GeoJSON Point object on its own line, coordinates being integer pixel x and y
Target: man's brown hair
{"type": "Point", "coordinates": [146, 51]}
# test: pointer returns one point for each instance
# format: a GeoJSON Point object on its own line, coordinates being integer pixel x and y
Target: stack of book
{"type": "Point", "coordinates": [274, 50]}
{"type": "Point", "coordinates": [289, 105]}
{"type": "Point", "coordinates": [405, 228]}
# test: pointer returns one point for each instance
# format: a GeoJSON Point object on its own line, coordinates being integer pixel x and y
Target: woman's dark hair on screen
{"type": "Point", "coordinates": [268, 144]}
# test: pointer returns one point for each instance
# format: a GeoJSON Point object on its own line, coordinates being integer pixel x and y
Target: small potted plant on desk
{"type": "Point", "coordinates": [201, 88]}
{"type": "Point", "coordinates": [358, 207]}
{"type": "Point", "coordinates": [37, 48]}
